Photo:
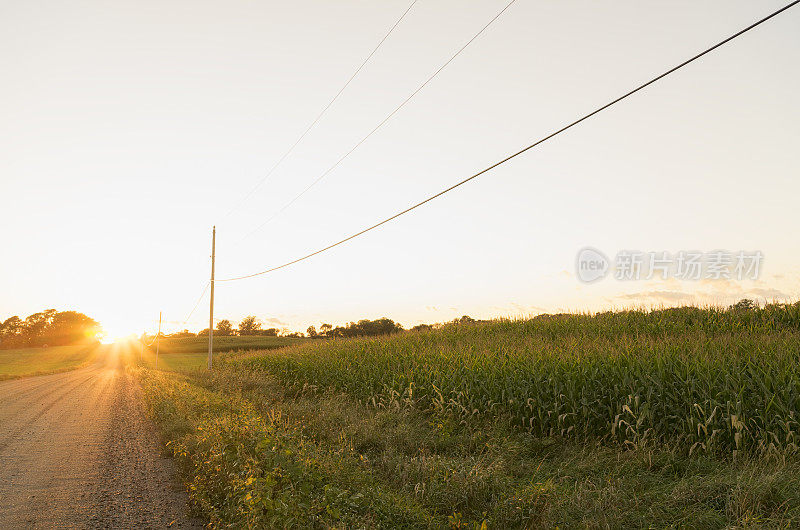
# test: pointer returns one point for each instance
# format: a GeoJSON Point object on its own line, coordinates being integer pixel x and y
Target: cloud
{"type": "Point", "coordinates": [533, 309]}
{"type": "Point", "coordinates": [665, 296]}
{"type": "Point", "coordinates": [717, 293]}
{"type": "Point", "coordinates": [721, 284]}
{"type": "Point", "coordinates": [769, 294]}
{"type": "Point", "coordinates": [276, 321]}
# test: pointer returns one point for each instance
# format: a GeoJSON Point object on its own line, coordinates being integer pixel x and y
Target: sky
{"type": "Point", "coordinates": [129, 129]}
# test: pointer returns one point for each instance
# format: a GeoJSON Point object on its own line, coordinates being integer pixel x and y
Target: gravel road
{"type": "Point", "coordinates": [77, 451]}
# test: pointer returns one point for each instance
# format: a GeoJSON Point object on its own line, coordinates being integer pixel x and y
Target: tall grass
{"type": "Point", "coordinates": [701, 379]}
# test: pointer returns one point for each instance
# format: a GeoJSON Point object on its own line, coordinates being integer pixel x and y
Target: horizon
{"type": "Point", "coordinates": [105, 337]}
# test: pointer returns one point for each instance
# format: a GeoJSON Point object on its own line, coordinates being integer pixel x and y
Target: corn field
{"type": "Point", "coordinates": [699, 379]}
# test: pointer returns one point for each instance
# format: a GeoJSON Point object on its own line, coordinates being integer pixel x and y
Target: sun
{"type": "Point", "coordinates": [114, 335]}
{"type": "Point", "coordinates": [115, 339]}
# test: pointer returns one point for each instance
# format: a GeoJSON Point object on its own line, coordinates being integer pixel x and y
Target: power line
{"type": "Point", "coordinates": [381, 124]}
{"type": "Point", "coordinates": [194, 308]}
{"type": "Point", "coordinates": [320, 115]}
{"type": "Point", "coordinates": [521, 151]}
{"type": "Point", "coordinates": [197, 303]}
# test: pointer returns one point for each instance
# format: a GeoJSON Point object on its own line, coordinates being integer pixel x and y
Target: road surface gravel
{"type": "Point", "coordinates": [77, 451]}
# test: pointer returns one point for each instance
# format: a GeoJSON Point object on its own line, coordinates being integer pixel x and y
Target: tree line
{"type": "Point", "coordinates": [48, 328]}
{"type": "Point", "coordinates": [252, 326]}
{"type": "Point", "coordinates": [362, 328]}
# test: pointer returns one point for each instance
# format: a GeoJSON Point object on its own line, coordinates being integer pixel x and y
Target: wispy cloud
{"type": "Point", "coordinates": [665, 296]}
{"type": "Point", "coordinates": [769, 294]}
{"type": "Point", "coordinates": [708, 292]}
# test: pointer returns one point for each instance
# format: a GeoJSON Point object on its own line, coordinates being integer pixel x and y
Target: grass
{"type": "Point", "coordinates": [39, 361]}
{"type": "Point", "coordinates": [422, 430]}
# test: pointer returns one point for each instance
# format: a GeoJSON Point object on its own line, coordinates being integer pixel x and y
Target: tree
{"type": "Point", "coordinates": [249, 325]}
{"type": "Point", "coordinates": [36, 327]}
{"type": "Point", "coordinates": [11, 332]}
{"type": "Point", "coordinates": [745, 304]}
{"type": "Point", "coordinates": [69, 327]}
{"type": "Point", "coordinates": [364, 327]}
{"type": "Point", "coordinates": [182, 334]}
{"type": "Point", "coordinates": [224, 328]}
{"type": "Point", "coordinates": [312, 331]}
{"type": "Point", "coordinates": [271, 332]}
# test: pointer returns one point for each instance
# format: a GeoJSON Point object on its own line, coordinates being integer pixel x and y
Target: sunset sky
{"type": "Point", "coordinates": [130, 128]}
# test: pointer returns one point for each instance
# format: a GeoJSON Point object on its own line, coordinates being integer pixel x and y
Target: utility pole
{"type": "Point", "coordinates": [211, 307]}
{"type": "Point", "coordinates": [158, 337]}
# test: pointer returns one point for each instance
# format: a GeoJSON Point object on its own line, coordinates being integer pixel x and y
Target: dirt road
{"type": "Point", "coordinates": [76, 451]}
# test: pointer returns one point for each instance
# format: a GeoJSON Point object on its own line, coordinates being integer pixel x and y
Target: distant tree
{"type": "Point", "coordinates": [325, 329]}
{"type": "Point", "coordinates": [364, 327]}
{"type": "Point", "coordinates": [312, 331]}
{"type": "Point", "coordinates": [182, 334]}
{"type": "Point", "coordinates": [249, 325]}
{"type": "Point", "coordinates": [295, 335]}
{"type": "Point", "coordinates": [270, 332]}
{"type": "Point", "coordinates": [224, 328]}
{"type": "Point", "coordinates": [422, 327]}
{"type": "Point", "coordinates": [745, 304]}
{"type": "Point", "coordinates": [203, 333]}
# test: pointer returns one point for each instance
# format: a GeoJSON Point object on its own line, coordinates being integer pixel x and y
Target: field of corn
{"type": "Point", "coordinates": [676, 418]}
{"type": "Point", "coordinates": [702, 379]}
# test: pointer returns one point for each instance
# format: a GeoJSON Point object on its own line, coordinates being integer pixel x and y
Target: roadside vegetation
{"type": "Point", "coordinates": [680, 417]}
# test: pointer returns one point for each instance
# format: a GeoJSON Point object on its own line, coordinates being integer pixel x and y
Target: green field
{"type": "Point", "coordinates": [190, 353]}
{"type": "Point", "coordinates": [39, 361]}
{"type": "Point", "coordinates": [175, 362]}
{"type": "Point", "coordinates": [683, 417]}
{"type": "Point", "coordinates": [223, 344]}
